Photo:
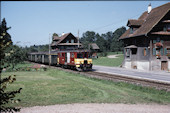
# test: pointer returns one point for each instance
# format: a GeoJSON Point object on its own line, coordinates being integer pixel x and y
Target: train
{"type": "Point", "coordinates": [80, 60]}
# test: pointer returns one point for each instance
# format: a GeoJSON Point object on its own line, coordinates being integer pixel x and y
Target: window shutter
{"type": "Point", "coordinates": [143, 51]}
{"type": "Point", "coordinates": [165, 51]}
{"type": "Point", "coordinates": [162, 52]}
{"type": "Point", "coordinates": [154, 51]}
{"type": "Point", "coordinates": [147, 51]}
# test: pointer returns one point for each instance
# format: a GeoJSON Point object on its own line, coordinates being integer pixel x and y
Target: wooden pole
{"type": "Point", "coordinates": [78, 39]}
{"type": "Point", "coordinates": [49, 56]}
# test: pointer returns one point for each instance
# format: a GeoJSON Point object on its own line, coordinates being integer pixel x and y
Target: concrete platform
{"type": "Point", "coordinates": [161, 76]}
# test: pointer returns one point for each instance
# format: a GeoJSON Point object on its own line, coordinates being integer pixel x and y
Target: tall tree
{"type": "Point", "coordinates": [88, 37]}
{"type": "Point", "coordinates": [55, 34]}
{"type": "Point", "coordinates": [117, 45]}
{"type": "Point", "coordinates": [6, 96]}
{"type": "Point", "coordinates": [101, 42]}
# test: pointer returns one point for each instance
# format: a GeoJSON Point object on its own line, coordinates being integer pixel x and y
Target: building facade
{"type": "Point", "coordinates": [65, 42]}
{"type": "Point", "coordinates": [147, 41]}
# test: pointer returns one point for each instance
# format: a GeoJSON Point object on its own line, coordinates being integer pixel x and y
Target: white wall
{"type": "Point", "coordinates": [143, 65]}
{"type": "Point", "coordinates": [127, 64]}
{"type": "Point", "coordinates": [156, 65]}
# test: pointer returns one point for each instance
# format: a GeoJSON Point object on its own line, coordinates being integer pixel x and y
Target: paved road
{"type": "Point", "coordinates": [157, 76]}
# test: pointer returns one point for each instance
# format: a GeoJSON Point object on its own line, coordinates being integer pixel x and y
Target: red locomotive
{"type": "Point", "coordinates": [78, 59]}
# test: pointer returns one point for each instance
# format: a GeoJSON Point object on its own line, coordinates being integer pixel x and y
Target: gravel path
{"type": "Point", "coordinates": [98, 108]}
{"type": "Point", "coordinates": [112, 56]}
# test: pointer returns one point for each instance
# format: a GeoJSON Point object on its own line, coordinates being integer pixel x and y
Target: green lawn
{"type": "Point", "coordinates": [58, 87]}
{"type": "Point", "coordinates": [105, 61]}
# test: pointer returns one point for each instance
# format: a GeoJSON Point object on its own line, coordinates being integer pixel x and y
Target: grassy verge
{"type": "Point", "coordinates": [104, 61]}
{"type": "Point", "coordinates": [58, 87]}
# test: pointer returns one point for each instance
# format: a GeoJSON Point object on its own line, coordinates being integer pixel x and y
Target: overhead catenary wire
{"type": "Point", "coordinates": [112, 24]}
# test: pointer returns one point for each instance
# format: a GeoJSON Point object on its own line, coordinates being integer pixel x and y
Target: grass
{"type": "Point", "coordinates": [105, 61]}
{"type": "Point", "coordinates": [58, 87]}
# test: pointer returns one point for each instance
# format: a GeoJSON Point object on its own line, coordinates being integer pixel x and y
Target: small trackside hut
{"type": "Point", "coordinates": [147, 41]}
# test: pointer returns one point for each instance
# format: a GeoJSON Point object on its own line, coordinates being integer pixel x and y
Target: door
{"type": "Point", "coordinates": [164, 65]}
{"type": "Point", "coordinates": [68, 57]}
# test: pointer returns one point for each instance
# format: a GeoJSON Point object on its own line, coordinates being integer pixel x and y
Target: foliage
{"type": "Point", "coordinates": [58, 87]}
{"type": "Point", "coordinates": [55, 34]}
{"type": "Point", "coordinates": [15, 54]}
{"type": "Point", "coordinates": [6, 96]}
{"type": "Point", "coordinates": [106, 42]}
{"type": "Point", "coordinates": [88, 37]}
{"type": "Point", "coordinates": [104, 61]}
{"type": "Point", "coordinates": [37, 48]}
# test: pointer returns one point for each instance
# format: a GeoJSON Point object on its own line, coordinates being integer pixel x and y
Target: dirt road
{"type": "Point", "coordinates": [98, 108]}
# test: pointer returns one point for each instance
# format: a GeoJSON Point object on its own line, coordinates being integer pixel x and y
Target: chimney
{"type": "Point", "coordinates": [149, 8]}
{"type": "Point", "coordinates": [63, 33]}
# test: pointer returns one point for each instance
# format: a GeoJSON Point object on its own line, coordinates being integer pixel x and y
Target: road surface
{"type": "Point", "coordinates": [161, 76]}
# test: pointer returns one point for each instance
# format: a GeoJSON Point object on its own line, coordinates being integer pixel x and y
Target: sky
{"type": "Point", "coordinates": [34, 22]}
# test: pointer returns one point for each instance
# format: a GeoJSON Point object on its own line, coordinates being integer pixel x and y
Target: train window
{"type": "Point", "coordinates": [79, 55]}
{"type": "Point", "coordinates": [89, 55]}
{"type": "Point", "coordinates": [62, 54]}
{"type": "Point", "coordinates": [85, 55]}
{"type": "Point", "coordinates": [72, 55]}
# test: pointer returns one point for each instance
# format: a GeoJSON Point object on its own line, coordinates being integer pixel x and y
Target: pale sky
{"type": "Point", "coordinates": [33, 22]}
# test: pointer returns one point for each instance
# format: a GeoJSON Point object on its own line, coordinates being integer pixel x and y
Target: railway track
{"type": "Point", "coordinates": [118, 78]}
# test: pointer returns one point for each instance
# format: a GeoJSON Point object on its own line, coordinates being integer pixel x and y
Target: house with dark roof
{"type": "Point", "coordinates": [94, 49]}
{"type": "Point", "coordinates": [65, 42]}
{"type": "Point", "coordinates": [147, 41]}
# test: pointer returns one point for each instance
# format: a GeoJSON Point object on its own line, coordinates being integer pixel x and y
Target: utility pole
{"type": "Point", "coordinates": [49, 56]}
{"type": "Point", "coordinates": [0, 11]}
{"type": "Point", "coordinates": [78, 39]}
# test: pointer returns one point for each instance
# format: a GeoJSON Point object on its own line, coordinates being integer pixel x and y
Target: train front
{"type": "Point", "coordinates": [83, 61]}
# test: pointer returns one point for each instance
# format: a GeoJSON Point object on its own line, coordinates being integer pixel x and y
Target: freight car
{"type": "Point", "coordinates": [74, 59]}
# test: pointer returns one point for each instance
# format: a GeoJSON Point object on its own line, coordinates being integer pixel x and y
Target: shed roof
{"type": "Point", "coordinates": [94, 46]}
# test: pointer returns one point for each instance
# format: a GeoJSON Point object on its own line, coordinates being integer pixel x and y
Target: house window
{"type": "Point", "coordinates": [131, 30]}
{"type": "Point", "coordinates": [134, 51]}
{"type": "Point", "coordinates": [158, 52]}
{"type": "Point", "coordinates": [127, 53]}
{"type": "Point", "coordinates": [67, 41]}
{"type": "Point", "coordinates": [168, 52]}
{"type": "Point", "coordinates": [72, 40]}
{"type": "Point", "coordinates": [158, 39]}
{"type": "Point", "coordinates": [167, 28]}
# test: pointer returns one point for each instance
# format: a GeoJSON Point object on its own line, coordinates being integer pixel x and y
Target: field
{"type": "Point", "coordinates": [105, 61]}
{"type": "Point", "coordinates": [58, 87]}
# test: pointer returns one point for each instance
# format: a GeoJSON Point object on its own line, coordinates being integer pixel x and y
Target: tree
{"type": "Point", "coordinates": [101, 42]}
{"type": "Point", "coordinates": [6, 96]}
{"type": "Point", "coordinates": [15, 55]}
{"type": "Point", "coordinates": [117, 45]}
{"type": "Point", "coordinates": [55, 34]}
{"type": "Point", "coordinates": [88, 37]}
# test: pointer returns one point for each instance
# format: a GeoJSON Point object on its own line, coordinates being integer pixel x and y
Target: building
{"type": "Point", "coordinates": [66, 41]}
{"type": "Point", "coordinates": [147, 41]}
{"type": "Point", "coordinates": [94, 49]}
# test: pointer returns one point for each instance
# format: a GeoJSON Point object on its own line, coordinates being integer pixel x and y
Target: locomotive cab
{"type": "Point", "coordinates": [83, 61]}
